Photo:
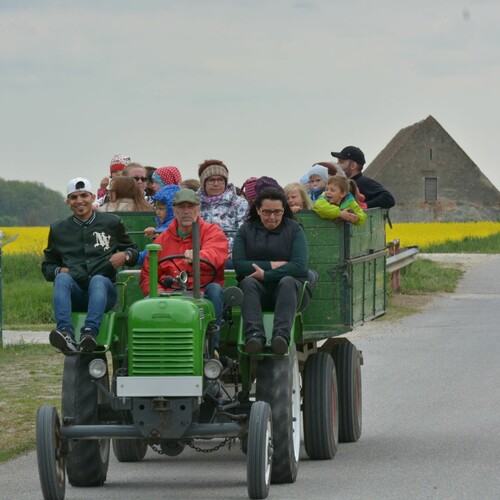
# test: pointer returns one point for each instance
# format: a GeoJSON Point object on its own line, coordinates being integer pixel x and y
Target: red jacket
{"type": "Point", "coordinates": [213, 247]}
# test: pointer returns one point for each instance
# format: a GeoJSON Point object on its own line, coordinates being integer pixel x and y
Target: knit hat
{"type": "Point", "coordinates": [333, 168]}
{"type": "Point", "coordinates": [166, 175]}
{"type": "Point", "coordinates": [304, 179]}
{"type": "Point", "coordinates": [210, 170]}
{"type": "Point", "coordinates": [118, 162]}
{"type": "Point", "coordinates": [248, 188]}
{"type": "Point", "coordinates": [318, 170]}
{"type": "Point", "coordinates": [267, 182]}
{"type": "Point", "coordinates": [79, 184]}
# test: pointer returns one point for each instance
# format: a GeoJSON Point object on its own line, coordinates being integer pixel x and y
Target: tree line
{"type": "Point", "coordinates": [27, 203]}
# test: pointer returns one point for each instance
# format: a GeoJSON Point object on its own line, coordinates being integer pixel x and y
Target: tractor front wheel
{"type": "Point", "coordinates": [87, 461]}
{"type": "Point", "coordinates": [260, 450]}
{"type": "Point", "coordinates": [50, 453]}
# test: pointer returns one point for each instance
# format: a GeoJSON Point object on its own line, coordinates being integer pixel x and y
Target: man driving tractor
{"type": "Point", "coordinates": [177, 240]}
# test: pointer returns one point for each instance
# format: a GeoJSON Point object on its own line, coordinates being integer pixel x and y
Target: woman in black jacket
{"type": "Point", "coordinates": [270, 256]}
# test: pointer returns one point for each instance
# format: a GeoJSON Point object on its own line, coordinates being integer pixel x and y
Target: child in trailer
{"type": "Point", "coordinates": [338, 202]}
{"type": "Point", "coordinates": [318, 175]}
{"type": "Point", "coordinates": [358, 195]}
{"type": "Point", "coordinates": [163, 201]}
{"type": "Point", "coordinates": [297, 197]}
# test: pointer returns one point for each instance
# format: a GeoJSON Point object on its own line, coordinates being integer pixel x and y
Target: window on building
{"type": "Point", "coordinates": [431, 189]}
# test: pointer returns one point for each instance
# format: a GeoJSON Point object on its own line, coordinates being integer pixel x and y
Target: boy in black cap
{"type": "Point", "coordinates": [351, 159]}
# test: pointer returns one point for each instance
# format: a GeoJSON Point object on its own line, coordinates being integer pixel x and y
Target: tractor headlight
{"type": "Point", "coordinates": [97, 368]}
{"type": "Point", "coordinates": [213, 369]}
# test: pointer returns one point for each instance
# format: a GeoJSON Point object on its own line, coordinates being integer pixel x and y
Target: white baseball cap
{"type": "Point", "coordinates": [79, 184]}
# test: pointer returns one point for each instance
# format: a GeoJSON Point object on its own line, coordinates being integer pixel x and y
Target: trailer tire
{"type": "Point", "coordinates": [260, 450]}
{"type": "Point", "coordinates": [321, 419]}
{"type": "Point", "coordinates": [278, 383]}
{"type": "Point", "coordinates": [348, 365]}
{"type": "Point", "coordinates": [50, 453]}
{"type": "Point", "coordinates": [87, 460]}
{"type": "Point", "coordinates": [130, 450]}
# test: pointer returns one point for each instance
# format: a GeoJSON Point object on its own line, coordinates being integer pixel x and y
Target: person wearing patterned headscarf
{"type": "Point", "coordinates": [165, 176]}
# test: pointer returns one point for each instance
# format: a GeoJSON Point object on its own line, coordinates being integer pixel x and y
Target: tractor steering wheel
{"type": "Point", "coordinates": [212, 275]}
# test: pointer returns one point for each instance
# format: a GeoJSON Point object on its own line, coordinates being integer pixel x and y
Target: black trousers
{"type": "Point", "coordinates": [283, 299]}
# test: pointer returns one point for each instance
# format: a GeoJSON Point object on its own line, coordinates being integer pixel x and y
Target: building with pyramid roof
{"type": "Point", "coordinates": [432, 178]}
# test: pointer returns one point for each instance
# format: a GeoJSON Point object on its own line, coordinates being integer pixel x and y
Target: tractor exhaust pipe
{"type": "Point", "coordinates": [196, 260]}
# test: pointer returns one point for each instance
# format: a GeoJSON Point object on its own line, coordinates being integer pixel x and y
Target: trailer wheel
{"type": "Point", "coordinates": [87, 460]}
{"type": "Point", "coordinates": [260, 450]}
{"type": "Point", "coordinates": [348, 364]}
{"type": "Point", "coordinates": [321, 424]}
{"type": "Point", "coordinates": [130, 450]}
{"type": "Point", "coordinates": [50, 453]}
{"type": "Point", "coordinates": [278, 383]}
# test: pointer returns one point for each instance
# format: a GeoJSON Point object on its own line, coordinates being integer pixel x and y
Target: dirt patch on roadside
{"type": "Point", "coordinates": [417, 301]}
{"type": "Point", "coordinates": [403, 305]}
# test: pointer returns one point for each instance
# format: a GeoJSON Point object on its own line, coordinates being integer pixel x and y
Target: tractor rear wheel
{"type": "Point", "coordinates": [348, 365]}
{"type": "Point", "coordinates": [278, 383]}
{"type": "Point", "coordinates": [87, 461]}
{"type": "Point", "coordinates": [50, 453]}
{"type": "Point", "coordinates": [321, 425]}
{"type": "Point", "coordinates": [130, 450]}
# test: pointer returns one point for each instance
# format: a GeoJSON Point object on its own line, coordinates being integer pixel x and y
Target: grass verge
{"type": "Point", "coordinates": [26, 297]}
{"type": "Point", "coordinates": [419, 283]}
{"type": "Point", "coordinates": [30, 376]}
{"type": "Point", "coordinates": [490, 244]}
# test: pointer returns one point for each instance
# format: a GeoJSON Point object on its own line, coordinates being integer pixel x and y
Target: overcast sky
{"type": "Point", "coordinates": [269, 87]}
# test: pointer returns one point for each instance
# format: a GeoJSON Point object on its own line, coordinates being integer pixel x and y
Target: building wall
{"type": "Point", "coordinates": [463, 192]}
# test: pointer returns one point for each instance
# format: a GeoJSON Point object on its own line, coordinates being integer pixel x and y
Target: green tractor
{"type": "Point", "coordinates": [157, 381]}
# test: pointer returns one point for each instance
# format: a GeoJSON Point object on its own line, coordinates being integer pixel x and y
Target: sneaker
{"type": "Point", "coordinates": [63, 340]}
{"type": "Point", "coordinates": [88, 342]}
{"type": "Point", "coordinates": [279, 344]}
{"type": "Point", "coordinates": [255, 344]}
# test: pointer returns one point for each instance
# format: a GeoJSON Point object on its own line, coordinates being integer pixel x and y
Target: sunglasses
{"type": "Point", "coordinates": [142, 179]}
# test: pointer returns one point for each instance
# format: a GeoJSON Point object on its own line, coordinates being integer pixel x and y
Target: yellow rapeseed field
{"type": "Point", "coordinates": [34, 239]}
{"type": "Point", "coordinates": [423, 234]}
{"type": "Point", "coordinates": [30, 239]}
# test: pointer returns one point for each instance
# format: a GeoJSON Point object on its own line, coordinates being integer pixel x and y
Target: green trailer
{"type": "Point", "coordinates": [350, 262]}
{"type": "Point", "coordinates": [168, 387]}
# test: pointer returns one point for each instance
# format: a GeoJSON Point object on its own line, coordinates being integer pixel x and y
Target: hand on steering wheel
{"type": "Point", "coordinates": [212, 274]}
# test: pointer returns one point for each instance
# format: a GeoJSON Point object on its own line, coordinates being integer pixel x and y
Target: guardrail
{"type": "Point", "coordinates": [397, 260]}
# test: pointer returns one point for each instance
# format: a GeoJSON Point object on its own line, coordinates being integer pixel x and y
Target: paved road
{"type": "Point", "coordinates": [430, 424]}
{"type": "Point", "coordinates": [15, 337]}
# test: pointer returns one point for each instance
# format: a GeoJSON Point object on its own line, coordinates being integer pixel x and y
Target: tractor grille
{"type": "Point", "coordinates": [161, 352]}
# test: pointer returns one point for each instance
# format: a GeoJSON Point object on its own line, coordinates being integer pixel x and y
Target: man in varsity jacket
{"type": "Point", "coordinates": [82, 256]}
